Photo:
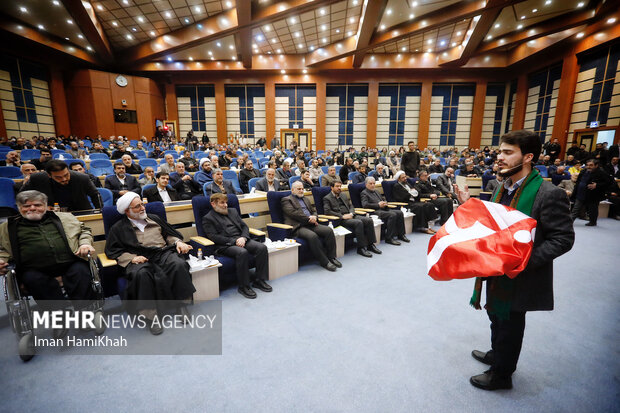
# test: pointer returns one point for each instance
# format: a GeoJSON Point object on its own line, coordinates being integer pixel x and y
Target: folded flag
{"type": "Point", "coordinates": [481, 239]}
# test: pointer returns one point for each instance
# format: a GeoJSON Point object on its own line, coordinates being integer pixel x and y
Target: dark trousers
{"type": "Point", "coordinates": [591, 206]}
{"type": "Point", "coordinates": [242, 260]}
{"type": "Point", "coordinates": [506, 341]}
{"type": "Point", "coordinates": [394, 222]}
{"type": "Point", "coordinates": [313, 235]}
{"type": "Point", "coordinates": [42, 283]}
{"type": "Point", "coordinates": [363, 228]}
{"type": "Point", "coordinates": [445, 208]}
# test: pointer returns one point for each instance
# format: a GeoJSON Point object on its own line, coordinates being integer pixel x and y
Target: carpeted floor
{"type": "Point", "coordinates": [377, 336]}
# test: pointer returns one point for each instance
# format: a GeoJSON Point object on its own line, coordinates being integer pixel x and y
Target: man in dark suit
{"type": "Point", "coordinates": [161, 191]}
{"type": "Point", "coordinates": [336, 204]}
{"type": "Point", "coordinates": [131, 167]}
{"type": "Point", "coordinates": [220, 185]}
{"type": "Point", "coordinates": [613, 168]}
{"type": "Point", "coordinates": [68, 189]}
{"type": "Point", "coordinates": [44, 158]}
{"type": "Point", "coordinates": [590, 189]}
{"type": "Point", "coordinates": [247, 173]}
{"type": "Point", "coordinates": [284, 174]}
{"type": "Point", "coordinates": [231, 236]}
{"type": "Point", "coordinates": [392, 217]}
{"type": "Point", "coordinates": [445, 183]}
{"type": "Point", "coordinates": [120, 183]}
{"type": "Point", "coordinates": [531, 290]}
{"type": "Point", "coordinates": [426, 190]}
{"type": "Point", "coordinates": [269, 182]}
{"type": "Point", "coordinates": [77, 167]}
{"type": "Point", "coordinates": [301, 215]}
{"type": "Point", "coordinates": [183, 183]}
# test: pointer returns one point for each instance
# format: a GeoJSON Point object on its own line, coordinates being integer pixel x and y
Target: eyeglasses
{"type": "Point", "coordinates": [137, 207]}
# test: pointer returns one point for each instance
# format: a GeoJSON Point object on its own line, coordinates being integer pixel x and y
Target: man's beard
{"type": "Point", "coordinates": [34, 216]}
{"type": "Point", "coordinates": [510, 171]}
{"type": "Point", "coordinates": [136, 215]}
{"type": "Point", "coordinates": [219, 210]}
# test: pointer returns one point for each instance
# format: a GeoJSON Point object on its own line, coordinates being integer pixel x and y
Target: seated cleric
{"type": "Point", "coordinates": [151, 252]}
{"type": "Point", "coordinates": [44, 245]}
{"type": "Point", "coordinates": [231, 236]}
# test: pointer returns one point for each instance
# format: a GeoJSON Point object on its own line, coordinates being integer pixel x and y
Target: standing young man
{"type": "Point", "coordinates": [532, 290]}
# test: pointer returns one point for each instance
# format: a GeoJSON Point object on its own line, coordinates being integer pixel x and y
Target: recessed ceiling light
{"type": "Point", "coordinates": [297, 34]}
{"type": "Point", "coordinates": [304, 71]}
{"type": "Point", "coordinates": [580, 35]}
{"type": "Point", "coordinates": [534, 10]}
{"type": "Point", "coordinates": [430, 50]}
{"type": "Point", "coordinates": [186, 20]}
{"type": "Point", "coordinates": [414, 4]}
{"type": "Point", "coordinates": [23, 9]}
{"type": "Point", "coordinates": [411, 16]}
{"type": "Point", "coordinates": [234, 58]}
{"type": "Point", "coordinates": [389, 11]}
{"type": "Point", "coordinates": [581, 4]}
{"type": "Point", "coordinates": [115, 24]}
{"type": "Point", "coordinates": [231, 47]}
{"type": "Point", "coordinates": [352, 20]}
{"type": "Point", "coordinates": [90, 49]}
{"type": "Point", "coordinates": [152, 33]}
{"type": "Point", "coordinates": [611, 21]}
{"type": "Point", "coordinates": [497, 25]}
{"type": "Point", "coordinates": [301, 46]}
{"type": "Point", "coordinates": [228, 4]}
{"type": "Point", "coordinates": [210, 53]}
{"type": "Point", "coordinates": [430, 41]}
{"type": "Point", "coordinates": [519, 27]}
{"type": "Point", "coordinates": [453, 44]}
{"type": "Point", "coordinates": [259, 38]}
{"type": "Point", "coordinates": [168, 14]}
{"type": "Point", "coordinates": [41, 27]}
{"type": "Point", "coordinates": [126, 2]}
{"type": "Point", "coordinates": [212, 58]}
{"type": "Point", "coordinates": [279, 51]}
{"type": "Point", "coordinates": [133, 29]}
{"type": "Point", "coordinates": [169, 59]}
{"type": "Point", "coordinates": [323, 12]}
{"type": "Point", "coordinates": [274, 40]}
{"type": "Point", "coordinates": [56, 3]}
{"type": "Point", "coordinates": [548, 2]}
{"type": "Point", "coordinates": [489, 37]}
{"type": "Point", "coordinates": [141, 19]}
{"type": "Point", "coordinates": [443, 43]}
{"type": "Point", "coordinates": [522, 17]}
{"type": "Point", "coordinates": [476, 18]}
{"type": "Point", "coordinates": [382, 27]}
{"type": "Point", "coordinates": [293, 20]}
{"type": "Point", "coordinates": [459, 33]}
{"type": "Point", "coordinates": [311, 48]}
{"type": "Point", "coordinates": [66, 38]}
{"type": "Point", "coordinates": [402, 49]}
{"type": "Point", "coordinates": [197, 9]}
{"type": "Point", "coordinates": [129, 37]}
{"type": "Point", "coordinates": [218, 44]}
{"type": "Point", "coordinates": [266, 28]}
{"type": "Point", "coordinates": [99, 7]}
{"type": "Point", "coordinates": [80, 36]}
{"type": "Point", "coordinates": [324, 40]}
{"type": "Point", "coordinates": [337, 30]}
{"type": "Point", "coordinates": [349, 33]}
{"type": "Point", "coordinates": [323, 27]}
{"type": "Point", "coordinates": [283, 71]}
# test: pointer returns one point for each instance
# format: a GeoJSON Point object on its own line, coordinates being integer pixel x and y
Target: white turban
{"type": "Point", "coordinates": [398, 174]}
{"type": "Point", "coordinates": [203, 160]}
{"type": "Point", "coordinates": [123, 202]}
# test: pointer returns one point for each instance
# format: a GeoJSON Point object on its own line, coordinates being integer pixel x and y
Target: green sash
{"type": "Point", "coordinates": [501, 289]}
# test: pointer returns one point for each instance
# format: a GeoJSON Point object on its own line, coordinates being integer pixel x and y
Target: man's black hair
{"type": "Point", "coordinates": [55, 165]}
{"type": "Point", "coordinates": [527, 141]}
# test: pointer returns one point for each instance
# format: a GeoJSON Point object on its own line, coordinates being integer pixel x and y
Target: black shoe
{"type": "Point", "coordinates": [155, 328]}
{"type": "Point", "coordinates": [364, 252]}
{"type": "Point", "coordinates": [246, 291]}
{"type": "Point", "coordinates": [329, 267]}
{"type": "Point", "coordinates": [490, 381]}
{"type": "Point", "coordinates": [404, 238]}
{"type": "Point", "coordinates": [373, 248]}
{"type": "Point", "coordinates": [262, 285]}
{"type": "Point", "coordinates": [392, 242]}
{"type": "Point", "coordinates": [481, 356]}
{"type": "Point", "coordinates": [591, 224]}
{"type": "Point", "coordinates": [337, 263]}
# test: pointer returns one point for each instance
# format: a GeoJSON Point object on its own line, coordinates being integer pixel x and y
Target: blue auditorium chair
{"type": "Point", "coordinates": [146, 162]}
{"type": "Point", "coordinates": [139, 153]}
{"type": "Point", "coordinates": [29, 154]}
{"type": "Point", "coordinates": [278, 230]}
{"type": "Point", "coordinates": [232, 176]}
{"type": "Point", "coordinates": [543, 170]}
{"type": "Point", "coordinates": [12, 172]}
{"type": "Point", "coordinates": [252, 183]}
{"type": "Point", "coordinates": [70, 162]}
{"type": "Point", "coordinates": [293, 179]}
{"type": "Point", "coordinates": [7, 195]}
{"type": "Point", "coordinates": [99, 167]}
{"type": "Point", "coordinates": [107, 197]}
{"type": "Point", "coordinates": [96, 155]}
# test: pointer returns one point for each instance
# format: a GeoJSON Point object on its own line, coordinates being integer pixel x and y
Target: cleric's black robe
{"type": "Point", "coordinates": [423, 211]}
{"type": "Point", "coordinates": [165, 276]}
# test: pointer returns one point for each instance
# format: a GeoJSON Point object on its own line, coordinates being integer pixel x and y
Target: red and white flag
{"type": "Point", "coordinates": [481, 239]}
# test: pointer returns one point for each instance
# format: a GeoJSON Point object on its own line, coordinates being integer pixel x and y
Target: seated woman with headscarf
{"type": "Point", "coordinates": [424, 211]}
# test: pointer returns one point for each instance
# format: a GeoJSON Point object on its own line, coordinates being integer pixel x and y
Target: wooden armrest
{"type": "Point", "coordinates": [424, 199]}
{"type": "Point", "coordinates": [257, 232]}
{"type": "Point", "coordinates": [105, 261]}
{"type": "Point", "coordinates": [202, 241]}
{"type": "Point", "coordinates": [398, 203]}
{"type": "Point", "coordinates": [485, 192]}
{"type": "Point", "coordinates": [332, 217]}
{"type": "Point", "coordinates": [276, 225]}
{"type": "Point", "coordinates": [392, 206]}
{"type": "Point", "coordinates": [365, 210]}
{"type": "Point", "coordinates": [323, 219]}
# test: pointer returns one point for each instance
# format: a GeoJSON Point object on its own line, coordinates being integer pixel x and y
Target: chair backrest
{"type": "Point", "coordinates": [485, 180]}
{"type": "Point", "coordinates": [412, 181]}
{"type": "Point", "coordinates": [434, 176]}
{"type": "Point", "coordinates": [352, 174]}
{"type": "Point", "coordinates": [62, 155]}
{"type": "Point", "coordinates": [145, 162]}
{"type": "Point", "coordinates": [293, 179]}
{"type": "Point", "coordinates": [174, 154]}
{"type": "Point", "coordinates": [252, 183]}
{"type": "Point", "coordinates": [318, 193]}
{"type": "Point", "coordinates": [201, 205]}
{"type": "Point", "coordinates": [275, 207]}
{"type": "Point", "coordinates": [29, 154]}
{"type": "Point", "coordinates": [100, 167]}
{"type": "Point", "coordinates": [70, 162]}
{"type": "Point", "coordinates": [107, 197]}
{"type": "Point", "coordinates": [139, 153]}
{"type": "Point", "coordinates": [106, 144]}
{"type": "Point", "coordinates": [7, 195]}
{"type": "Point", "coordinates": [232, 176]}
{"type": "Point", "coordinates": [88, 144]}
{"type": "Point", "coordinates": [457, 171]}
{"type": "Point", "coordinates": [338, 167]}
{"type": "Point", "coordinates": [372, 173]}
{"type": "Point", "coordinates": [354, 193]}
{"type": "Point", "coordinates": [324, 169]}
{"type": "Point", "coordinates": [199, 154]}
{"type": "Point", "coordinates": [388, 187]}
{"type": "Point", "coordinates": [543, 170]}
{"type": "Point", "coordinates": [12, 172]}
{"type": "Point", "coordinates": [110, 214]}
{"type": "Point", "coordinates": [145, 187]}
{"type": "Point", "coordinates": [556, 179]}
{"type": "Point", "coordinates": [96, 155]}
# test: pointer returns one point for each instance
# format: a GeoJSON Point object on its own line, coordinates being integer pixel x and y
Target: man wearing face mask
{"type": "Point", "coordinates": [44, 245]}
{"type": "Point", "coordinates": [531, 290]}
{"type": "Point", "coordinates": [68, 189]}
{"type": "Point", "coordinates": [151, 252]}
